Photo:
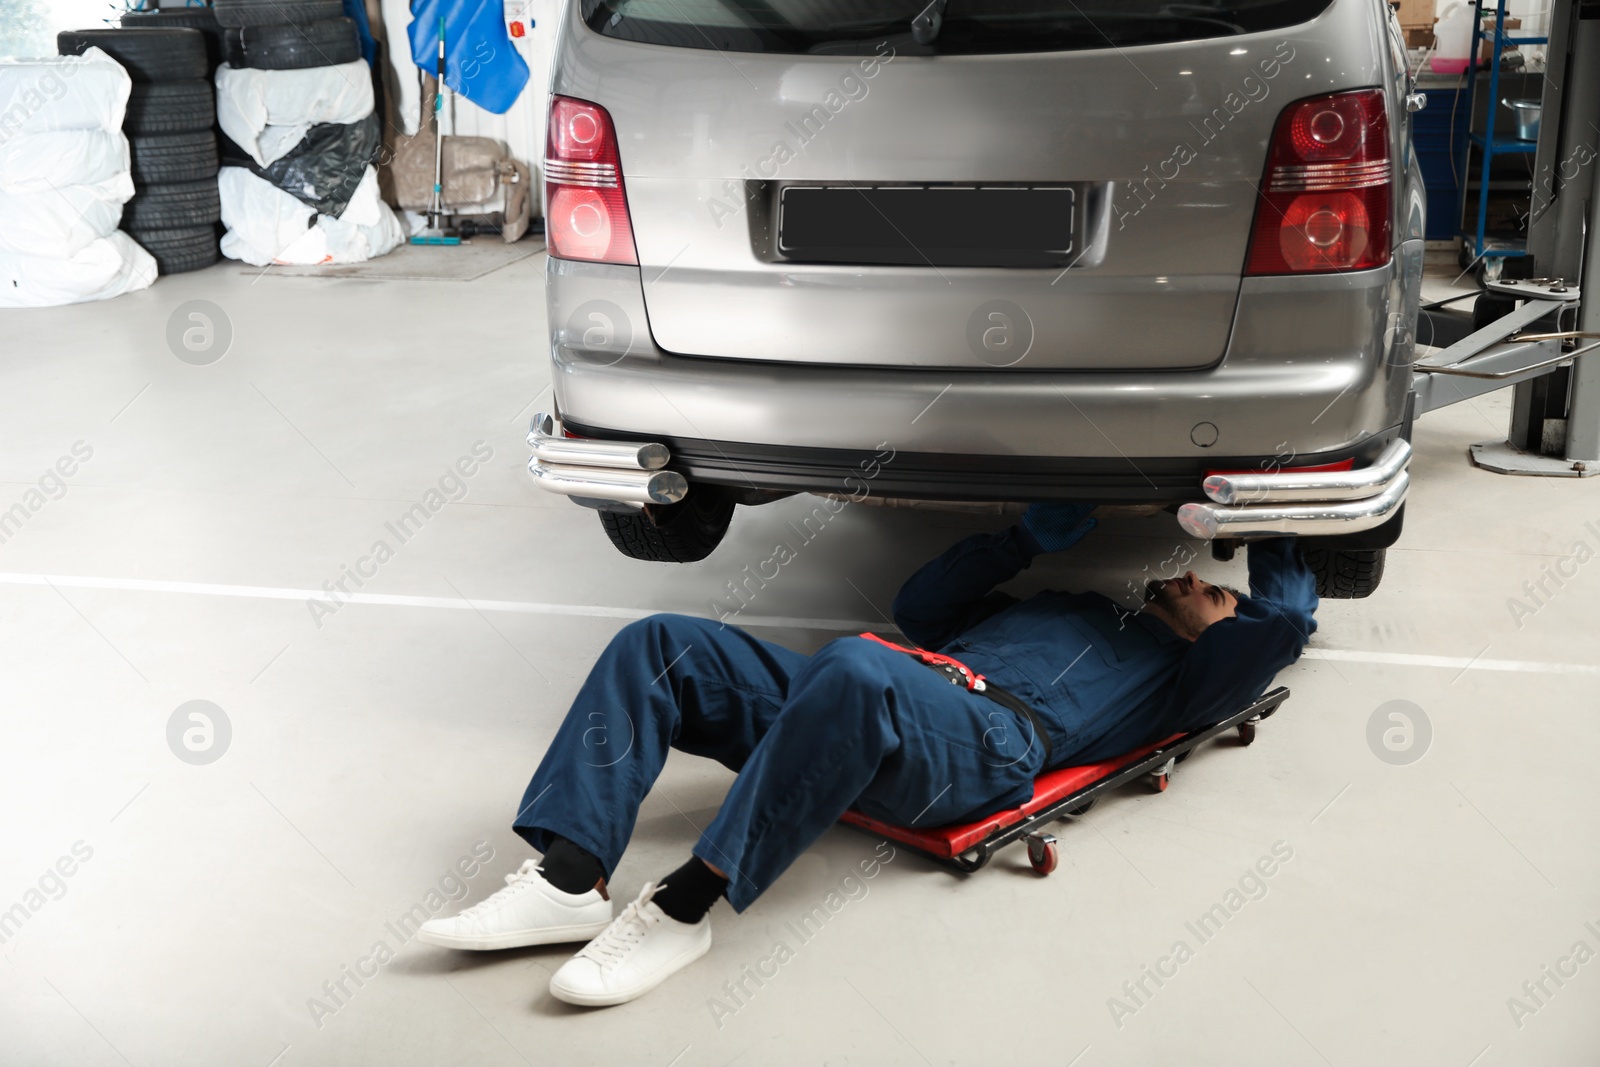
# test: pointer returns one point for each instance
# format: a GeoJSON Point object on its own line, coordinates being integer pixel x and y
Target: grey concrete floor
{"type": "Point", "coordinates": [215, 913]}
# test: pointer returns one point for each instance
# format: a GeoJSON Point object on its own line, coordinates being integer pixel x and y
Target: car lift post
{"type": "Point", "coordinates": [1555, 421]}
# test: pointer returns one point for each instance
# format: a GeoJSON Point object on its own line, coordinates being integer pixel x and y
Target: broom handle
{"type": "Point", "coordinates": [438, 135]}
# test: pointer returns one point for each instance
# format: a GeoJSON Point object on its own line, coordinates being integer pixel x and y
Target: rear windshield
{"type": "Point", "coordinates": [963, 27]}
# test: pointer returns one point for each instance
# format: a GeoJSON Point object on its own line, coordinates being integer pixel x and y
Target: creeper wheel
{"type": "Point", "coordinates": [1042, 853]}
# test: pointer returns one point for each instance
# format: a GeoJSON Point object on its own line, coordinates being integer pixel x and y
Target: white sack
{"type": "Point", "coordinates": [267, 225]}
{"type": "Point", "coordinates": [108, 267]}
{"type": "Point", "coordinates": [367, 229]}
{"type": "Point", "coordinates": [62, 222]}
{"type": "Point", "coordinates": [267, 112]}
{"type": "Point", "coordinates": [262, 219]}
{"type": "Point", "coordinates": [40, 162]}
{"type": "Point", "coordinates": [87, 92]}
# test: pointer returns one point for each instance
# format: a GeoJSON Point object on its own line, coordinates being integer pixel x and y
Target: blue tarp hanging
{"type": "Point", "coordinates": [480, 62]}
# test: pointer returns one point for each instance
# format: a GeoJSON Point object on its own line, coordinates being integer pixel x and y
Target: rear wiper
{"type": "Point", "coordinates": [926, 26]}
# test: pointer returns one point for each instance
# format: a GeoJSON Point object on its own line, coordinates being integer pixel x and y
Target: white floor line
{"type": "Point", "coordinates": [258, 592]}
{"type": "Point", "coordinates": [1408, 659]}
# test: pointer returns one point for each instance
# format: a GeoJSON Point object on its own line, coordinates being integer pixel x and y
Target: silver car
{"type": "Point", "coordinates": [1136, 252]}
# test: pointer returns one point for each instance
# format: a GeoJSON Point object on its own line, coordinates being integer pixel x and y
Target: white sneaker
{"type": "Point", "coordinates": [639, 950]}
{"type": "Point", "coordinates": [528, 911]}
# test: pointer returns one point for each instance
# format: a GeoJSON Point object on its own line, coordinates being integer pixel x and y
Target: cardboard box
{"type": "Point", "coordinates": [1418, 36]}
{"type": "Point", "coordinates": [1414, 12]}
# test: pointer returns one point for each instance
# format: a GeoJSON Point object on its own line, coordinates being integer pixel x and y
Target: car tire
{"type": "Point", "coordinates": [170, 107]}
{"type": "Point", "coordinates": [327, 43]}
{"type": "Point", "coordinates": [148, 53]}
{"type": "Point", "coordinates": [179, 249]}
{"type": "Point", "coordinates": [174, 205]}
{"type": "Point", "coordinates": [1345, 573]}
{"type": "Point", "coordinates": [191, 18]}
{"type": "Point", "coordinates": [174, 157]}
{"type": "Point", "coordinates": [239, 13]}
{"type": "Point", "coordinates": [685, 532]}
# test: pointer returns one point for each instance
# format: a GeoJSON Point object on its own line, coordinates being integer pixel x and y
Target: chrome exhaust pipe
{"type": "Point", "coordinates": [597, 472]}
{"type": "Point", "coordinates": [1208, 521]}
{"type": "Point", "coordinates": [609, 483]}
{"type": "Point", "coordinates": [549, 446]}
{"type": "Point", "coordinates": [1288, 485]}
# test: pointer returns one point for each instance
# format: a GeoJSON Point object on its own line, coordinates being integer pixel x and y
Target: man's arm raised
{"type": "Point", "coordinates": [1234, 660]}
{"type": "Point", "coordinates": [952, 593]}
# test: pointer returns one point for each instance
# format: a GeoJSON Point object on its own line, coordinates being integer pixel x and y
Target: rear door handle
{"type": "Point", "coordinates": [1416, 101]}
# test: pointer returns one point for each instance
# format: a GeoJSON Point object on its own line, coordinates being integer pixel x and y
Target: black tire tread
{"type": "Point", "coordinates": [685, 532]}
{"type": "Point", "coordinates": [238, 13]}
{"type": "Point", "coordinates": [148, 53]}
{"type": "Point", "coordinates": [193, 18]}
{"type": "Point", "coordinates": [174, 157]}
{"type": "Point", "coordinates": [170, 107]}
{"type": "Point", "coordinates": [173, 205]}
{"type": "Point", "coordinates": [325, 43]}
{"type": "Point", "coordinates": [1346, 574]}
{"type": "Point", "coordinates": [179, 249]}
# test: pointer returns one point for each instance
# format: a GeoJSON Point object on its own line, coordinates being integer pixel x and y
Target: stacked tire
{"type": "Point", "coordinates": [287, 34]}
{"type": "Point", "coordinates": [170, 127]}
{"type": "Point", "coordinates": [190, 18]}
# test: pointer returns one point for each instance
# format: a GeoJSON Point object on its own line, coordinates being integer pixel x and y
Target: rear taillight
{"type": "Point", "coordinates": [1324, 202]}
{"type": "Point", "coordinates": [587, 211]}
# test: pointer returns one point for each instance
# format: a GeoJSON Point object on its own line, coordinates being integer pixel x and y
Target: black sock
{"type": "Point", "coordinates": [688, 892]}
{"type": "Point", "coordinates": [569, 868]}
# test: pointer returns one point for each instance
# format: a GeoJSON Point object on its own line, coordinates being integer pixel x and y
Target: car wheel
{"type": "Point", "coordinates": [178, 250]}
{"type": "Point", "coordinates": [1346, 573]}
{"type": "Point", "coordinates": [327, 43]}
{"type": "Point", "coordinates": [275, 12]}
{"type": "Point", "coordinates": [170, 107]}
{"type": "Point", "coordinates": [149, 54]}
{"type": "Point", "coordinates": [174, 157]}
{"type": "Point", "coordinates": [674, 533]}
{"type": "Point", "coordinates": [178, 205]}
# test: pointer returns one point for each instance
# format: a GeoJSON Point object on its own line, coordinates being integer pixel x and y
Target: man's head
{"type": "Point", "coordinates": [1188, 605]}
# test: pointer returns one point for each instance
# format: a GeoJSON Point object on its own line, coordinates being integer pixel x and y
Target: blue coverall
{"type": "Point", "coordinates": [860, 724]}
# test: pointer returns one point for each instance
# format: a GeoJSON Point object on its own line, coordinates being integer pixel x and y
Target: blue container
{"type": "Point", "coordinates": [1440, 157]}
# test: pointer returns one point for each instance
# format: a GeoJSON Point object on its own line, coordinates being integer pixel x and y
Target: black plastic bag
{"type": "Point", "coordinates": [323, 170]}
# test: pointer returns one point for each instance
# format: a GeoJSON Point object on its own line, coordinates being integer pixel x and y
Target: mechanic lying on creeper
{"type": "Point", "coordinates": [860, 723]}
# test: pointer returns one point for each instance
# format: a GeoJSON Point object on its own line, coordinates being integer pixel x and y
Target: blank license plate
{"type": "Point", "coordinates": [931, 226]}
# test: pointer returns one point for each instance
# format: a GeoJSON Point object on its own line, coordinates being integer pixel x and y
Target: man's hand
{"type": "Point", "coordinates": [1054, 527]}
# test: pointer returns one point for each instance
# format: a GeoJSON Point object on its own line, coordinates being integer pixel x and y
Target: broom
{"type": "Point", "coordinates": [435, 234]}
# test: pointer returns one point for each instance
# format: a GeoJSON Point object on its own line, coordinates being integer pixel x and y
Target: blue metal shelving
{"type": "Point", "coordinates": [1488, 145]}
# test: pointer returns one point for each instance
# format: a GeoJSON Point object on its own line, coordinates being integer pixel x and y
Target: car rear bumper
{"type": "Point", "coordinates": [1312, 377]}
{"type": "Point", "coordinates": [1310, 370]}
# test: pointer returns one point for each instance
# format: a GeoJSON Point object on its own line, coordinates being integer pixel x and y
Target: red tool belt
{"type": "Point", "coordinates": [960, 674]}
